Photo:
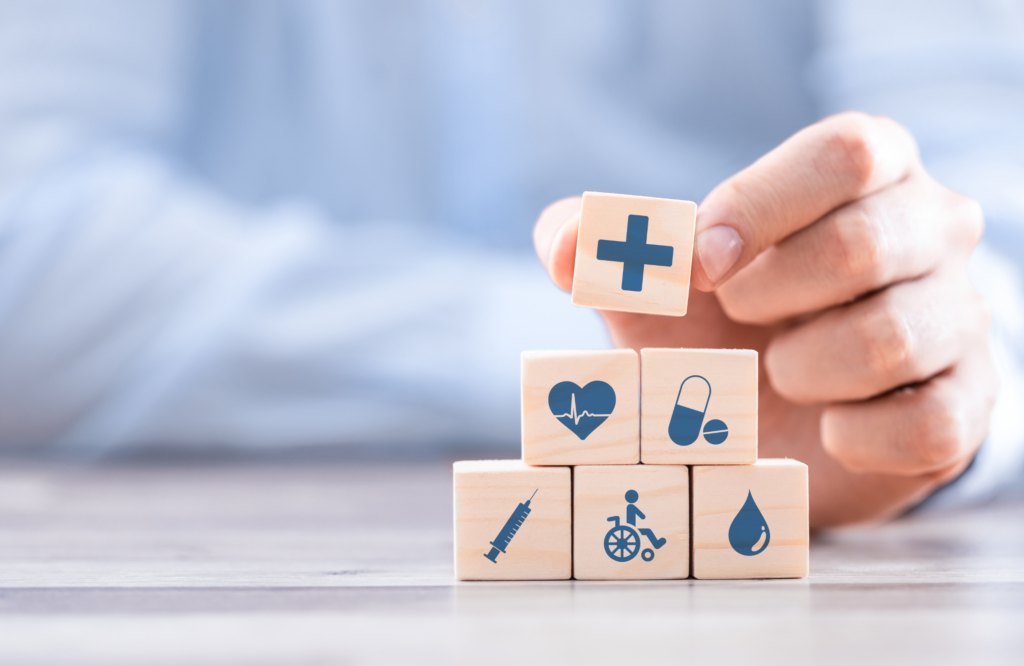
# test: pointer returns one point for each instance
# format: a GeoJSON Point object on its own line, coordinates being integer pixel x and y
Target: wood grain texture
{"type": "Point", "coordinates": [486, 494]}
{"type": "Point", "coordinates": [663, 497]}
{"type": "Point", "coordinates": [317, 562]}
{"type": "Point", "coordinates": [779, 488]}
{"type": "Point", "coordinates": [732, 375]}
{"type": "Point", "coordinates": [547, 441]}
{"type": "Point", "coordinates": [598, 284]}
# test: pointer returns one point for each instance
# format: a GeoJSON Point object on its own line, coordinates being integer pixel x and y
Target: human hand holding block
{"type": "Point", "coordinates": [842, 263]}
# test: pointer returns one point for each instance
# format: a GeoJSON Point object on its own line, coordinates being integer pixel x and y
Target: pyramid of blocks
{"type": "Point", "coordinates": [634, 466]}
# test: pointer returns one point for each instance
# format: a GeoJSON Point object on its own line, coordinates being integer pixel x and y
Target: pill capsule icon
{"type": "Point", "coordinates": [688, 414]}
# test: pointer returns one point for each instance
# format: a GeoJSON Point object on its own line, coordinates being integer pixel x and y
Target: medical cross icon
{"type": "Point", "coordinates": [635, 253]}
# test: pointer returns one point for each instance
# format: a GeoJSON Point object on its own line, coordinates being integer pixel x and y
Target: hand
{"type": "Point", "coordinates": [843, 263]}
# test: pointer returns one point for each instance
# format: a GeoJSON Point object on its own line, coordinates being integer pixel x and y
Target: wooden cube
{"type": "Point", "coordinates": [631, 522]}
{"type": "Point", "coordinates": [581, 407]}
{"type": "Point", "coordinates": [699, 406]}
{"type": "Point", "coordinates": [634, 254]}
{"type": "Point", "coordinates": [751, 521]}
{"type": "Point", "coordinates": [512, 521]}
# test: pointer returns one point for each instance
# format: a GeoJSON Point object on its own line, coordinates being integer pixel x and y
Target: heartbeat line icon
{"type": "Point", "coordinates": [597, 400]}
{"type": "Point", "coordinates": [577, 416]}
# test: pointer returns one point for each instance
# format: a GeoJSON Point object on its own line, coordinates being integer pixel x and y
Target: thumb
{"type": "Point", "coordinates": [554, 239]}
{"type": "Point", "coordinates": [820, 168]}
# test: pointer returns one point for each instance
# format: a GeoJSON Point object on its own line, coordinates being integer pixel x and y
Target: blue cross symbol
{"type": "Point", "coordinates": [635, 253]}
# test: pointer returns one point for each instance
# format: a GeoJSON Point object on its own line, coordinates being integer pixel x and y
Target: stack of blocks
{"type": "Point", "coordinates": [634, 466]}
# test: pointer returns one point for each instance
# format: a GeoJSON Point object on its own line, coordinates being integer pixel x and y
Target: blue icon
{"type": "Point", "coordinates": [512, 525]}
{"type": "Point", "coordinates": [635, 253]}
{"type": "Point", "coordinates": [688, 414]}
{"type": "Point", "coordinates": [582, 409]}
{"type": "Point", "coordinates": [622, 542]}
{"type": "Point", "coordinates": [749, 533]}
{"type": "Point", "coordinates": [715, 431]}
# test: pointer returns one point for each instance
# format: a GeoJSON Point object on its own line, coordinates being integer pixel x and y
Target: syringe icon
{"type": "Point", "coordinates": [512, 525]}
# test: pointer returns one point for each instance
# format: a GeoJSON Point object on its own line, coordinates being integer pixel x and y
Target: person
{"type": "Point", "coordinates": [287, 224]}
{"type": "Point", "coordinates": [633, 512]}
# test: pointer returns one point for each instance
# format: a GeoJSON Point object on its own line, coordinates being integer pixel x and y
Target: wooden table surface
{"type": "Point", "coordinates": [335, 563]}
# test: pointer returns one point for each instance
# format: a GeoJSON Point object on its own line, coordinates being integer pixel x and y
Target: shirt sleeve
{"type": "Point", "coordinates": [953, 74]}
{"type": "Point", "coordinates": [140, 305]}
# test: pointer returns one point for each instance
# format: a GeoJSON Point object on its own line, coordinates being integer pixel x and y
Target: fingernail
{"type": "Point", "coordinates": [718, 248]}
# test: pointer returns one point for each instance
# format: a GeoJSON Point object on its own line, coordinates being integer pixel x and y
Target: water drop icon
{"type": "Point", "coordinates": [749, 533]}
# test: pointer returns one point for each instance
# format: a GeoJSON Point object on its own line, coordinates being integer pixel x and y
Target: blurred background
{"type": "Point", "coordinates": [287, 226]}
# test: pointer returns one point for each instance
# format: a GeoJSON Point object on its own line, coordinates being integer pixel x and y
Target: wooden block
{"type": "Point", "coordinates": [631, 522]}
{"type": "Point", "coordinates": [512, 521]}
{"type": "Point", "coordinates": [751, 521]}
{"type": "Point", "coordinates": [581, 407]}
{"type": "Point", "coordinates": [634, 253]}
{"type": "Point", "coordinates": [699, 406]}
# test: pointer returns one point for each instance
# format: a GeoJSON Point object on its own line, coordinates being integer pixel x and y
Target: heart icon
{"type": "Point", "coordinates": [582, 409]}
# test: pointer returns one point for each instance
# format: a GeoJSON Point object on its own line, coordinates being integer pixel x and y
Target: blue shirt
{"type": "Point", "coordinates": [283, 223]}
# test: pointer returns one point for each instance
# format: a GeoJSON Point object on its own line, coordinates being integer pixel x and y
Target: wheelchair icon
{"type": "Point", "coordinates": [622, 542]}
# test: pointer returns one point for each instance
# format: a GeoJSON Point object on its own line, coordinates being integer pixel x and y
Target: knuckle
{"type": "Point", "coordinates": [980, 311]}
{"type": "Point", "coordinates": [849, 147]}
{"type": "Point", "coordinates": [984, 317]}
{"type": "Point", "coordinates": [971, 216]}
{"type": "Point", "coordinates": [990, 384]}
{"type": "Point", "coordinates": [975, 311]}
{"type": "Point", "coordinates": [853, 249]}
{"type": "Point", "coordinates": [887, 341]}
{"type": "Point", "coordinates": [937, 435]}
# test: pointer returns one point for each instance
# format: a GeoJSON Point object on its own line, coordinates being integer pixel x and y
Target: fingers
{"type": "Point", "coordinates": [842, 497]}
{"type": "Point", "coordinates": [554, 239]}
{"type": "Point", "coordinates": [927, 429]}
{"type": "Point", "coordinates": [897, 234]}
{"type": "Point", "coordinates": [902, 335]}
{"type": "Point", "coordinates": [818, 169]}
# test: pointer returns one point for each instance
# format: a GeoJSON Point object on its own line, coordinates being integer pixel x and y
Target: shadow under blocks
{"type": "Point", "coordinates": [634, 466]}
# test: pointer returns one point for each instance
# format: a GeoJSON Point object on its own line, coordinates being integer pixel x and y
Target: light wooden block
{"type": "Point", "coordinates": [581, 407]}
{"type": "Point", "coordinates": [604, 550]}
{"type": "Point", "coordinates": [634, 253]}
{"type": "Point", "coordinates": [494, 497]}
{"type": "Point", "coordinates": [751, 521]}
{"type": "Point", "coordinates": [699, 406]}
